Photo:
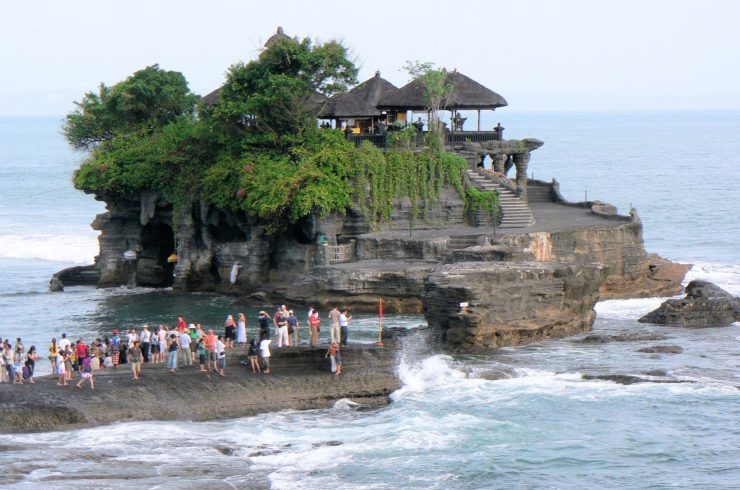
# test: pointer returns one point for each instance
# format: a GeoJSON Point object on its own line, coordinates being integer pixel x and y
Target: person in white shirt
{"type": "Point", "coordinates": [220, 355]}
{"type": "Point", "coordinates": [265, 354]}
{"type": "Point", "coordinates": [145, 341]}
{"type": "Point", "coordinates": [64, 342]}
{"type": "Point", "coordinates": [184, 351]}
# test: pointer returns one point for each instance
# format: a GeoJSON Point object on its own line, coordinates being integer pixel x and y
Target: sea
{"type": "Point", "coordinates": [521, 417]}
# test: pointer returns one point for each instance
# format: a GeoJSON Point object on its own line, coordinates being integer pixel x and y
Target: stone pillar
{"type": "Point", "coordinates": [498, 163]}
{"type": "Point", "coordinates": [521, 160]}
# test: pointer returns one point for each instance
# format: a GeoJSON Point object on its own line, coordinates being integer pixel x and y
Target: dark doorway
{"type": "Point", "coordinates": [157, 244]}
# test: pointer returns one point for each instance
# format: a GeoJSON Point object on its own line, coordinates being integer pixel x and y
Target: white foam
{"type": "Point", "coordinates": [432, 372]}
{"type": "Point", "coordinates": [726, 276]}
{"type": "Point", "coordinates": [78, 249]}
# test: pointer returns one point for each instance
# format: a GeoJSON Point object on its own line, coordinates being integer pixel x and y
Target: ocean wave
{"type": "Point", "coordinates": [78, 249]}
{"type": "Point", "coordinates": [726, 276]}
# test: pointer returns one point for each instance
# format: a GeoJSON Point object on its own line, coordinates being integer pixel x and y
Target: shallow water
{"type": "Point", "coordinates": [519, 418]}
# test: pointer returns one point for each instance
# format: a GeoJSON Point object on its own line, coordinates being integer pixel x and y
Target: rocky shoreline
{"type": "Point", "coordinates": [300, 380]}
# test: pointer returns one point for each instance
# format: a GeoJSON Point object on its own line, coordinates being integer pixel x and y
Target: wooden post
{"type": "Point", "coordinates": [479, 120]}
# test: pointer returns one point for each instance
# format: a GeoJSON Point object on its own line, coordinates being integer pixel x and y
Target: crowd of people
{"type": "Point", "coordinates": [183, 345]}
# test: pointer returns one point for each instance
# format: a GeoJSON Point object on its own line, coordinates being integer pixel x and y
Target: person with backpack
{"type": "Point", "coordinates": [293, 329]}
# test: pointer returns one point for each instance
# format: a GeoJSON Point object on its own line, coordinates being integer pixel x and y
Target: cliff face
{"type": "Point", "coordinates": [526, 286]}
{"type": "Point", "coordinates": [510, 303]}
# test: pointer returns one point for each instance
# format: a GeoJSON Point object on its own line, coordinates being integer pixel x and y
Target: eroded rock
{"type": "Point", "coordinates": [705, 305]}
{"type": "Point", "coordinates": [662, 349]}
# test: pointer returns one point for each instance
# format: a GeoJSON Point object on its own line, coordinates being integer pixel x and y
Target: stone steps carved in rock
{"type": "Point", "coordinates": [514, 212]}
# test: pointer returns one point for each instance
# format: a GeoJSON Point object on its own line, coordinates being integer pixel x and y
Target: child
{"type": "Point", "coordinates": [87, 373]}
{"type": "Point", "coordinates": [62, 368]}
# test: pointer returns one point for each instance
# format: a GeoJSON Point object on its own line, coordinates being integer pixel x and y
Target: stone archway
{"type": "Point", "coordinates": [157, 244]}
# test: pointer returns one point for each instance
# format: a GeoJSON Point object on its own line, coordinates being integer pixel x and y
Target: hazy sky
{"type": "Point", "coordinates": [540, 55]}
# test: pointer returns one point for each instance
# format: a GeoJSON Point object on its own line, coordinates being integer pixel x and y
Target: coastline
{"type": "Point", "coordinates": [301, 380]}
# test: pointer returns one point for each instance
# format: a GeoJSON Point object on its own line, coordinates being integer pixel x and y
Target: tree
{"type": "Point", "coordinates": [436, 89]}
{"type": "Point", "coordinates": [274, 100]}
{"type": "Point", "coordinates": [147, 100]}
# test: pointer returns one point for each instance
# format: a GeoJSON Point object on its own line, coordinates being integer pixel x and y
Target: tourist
{"type": "Point", "coordinates": [131, 336]}
{"type": "Point", "coordinates": [193, 334]}
{"type": "Point", "coordinates": [162, 339]}
{"type": "Point", "coordinates": [145, 341]}
{"type": "Point", "coordinates": [334, 329]}
{"type": "Point", "coordinates": [264, 323]}
{"type": "Point", "coordinates": [185, 357]}
{"type": "Point", "coordinates": [241, 330]}
{"type": "Point", "coordinates": [31, 363]}
{"type": "Point", "coordinates": [293, 329]}
{"type": "Point", "coordinates": [107, 353]}
{"type": "Point", "coordinates": [154, 348]}
{"type": "Point", "coordinates": [344, 319]}
{"type": "Point", "coordinates": [18, 363]}
{"type": "Point", "coordinates": [210, 344]}
{"type": "Point", "coordinates": [115, 349]}
{"type": "Point", "coordinates": [9, 361]}
{"type": "Point", "coordinates": [221, 354]}
{"type": "Point", "coordinates": [314, 325]}
{"type": "Point", "coordinates": [230, 331]}
{"type": "Point", "coordinates": [281, 323]}
{"type": "Point", "coordinates": [334, 357]}
{"type": "Point", "coordinates": [53, 351]}
{"type": "Point", "coordinates": [136, 355]}
{"type": "Point", "coordinates": [181, 324]}
{"type": "Point", "coordinates": [3, 370]}
{"type": "Point", "coordinates": [265, 354]}
{"type": "Point", "coordinates": [96, 355]}
{"type": "Point", "coordinates": [81, 352]}
{"type": "Point", "coordinates": [69, 361]}
{"type": "Point", "coordinates": [62, 367]}
{"type": "Point", "coordinates": [172, 354]}
{"type": "Point", "coordinates": [252, 355]}
{"type": "Point", "coordinates": [19, 345]}
{"type": "Point", "coordinates": [87, 373]}
{"type": "Point", "coordinates": [201, 348]}
{"type": "Point", "coordinates": [64, 342]}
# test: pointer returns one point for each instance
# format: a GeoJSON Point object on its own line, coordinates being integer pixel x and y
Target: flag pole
{"type": "Point", "coordinates": [380, 324]}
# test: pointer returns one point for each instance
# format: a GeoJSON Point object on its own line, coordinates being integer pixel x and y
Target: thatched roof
{"type": "Point", "coordinates": [361, 101]}
{"type": "Point", "coordinates": [466, 94]}
{"type": "Point", "coordinates": [277, 37]}
{"type": "Point", "coordinates": [213, 97]}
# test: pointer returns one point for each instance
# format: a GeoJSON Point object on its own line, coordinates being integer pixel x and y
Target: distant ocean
{"type": "Point", "coordinates": [542, 426]}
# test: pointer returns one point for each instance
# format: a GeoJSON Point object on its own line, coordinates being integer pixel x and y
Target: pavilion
{"type": "Point", "coordinates": [358, 108]}
{"type": "Point", "coordinates": [465, 94]}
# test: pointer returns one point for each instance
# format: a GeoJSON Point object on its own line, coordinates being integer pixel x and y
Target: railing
{"type": "Point", "coordinates": [380, 140]}
{"type": "Point", "coordinates": [339, 254]}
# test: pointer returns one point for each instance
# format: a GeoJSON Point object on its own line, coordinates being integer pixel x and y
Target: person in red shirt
{"type": "Point", "coordinates": [81, 351]}
{"type": "Point", "coordinates": [181, 324]}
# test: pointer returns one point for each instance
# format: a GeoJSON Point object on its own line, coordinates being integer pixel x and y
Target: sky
{"type": "Point", "coordinates": [541, 55]}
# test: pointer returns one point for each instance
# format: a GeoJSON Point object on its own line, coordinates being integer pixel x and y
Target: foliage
{"type": "Point", "coordinates": [273, 101]}
{"type": "Point", "coordinates": [147, 100]}
{"type": "Point", "coordinates": [384, 178]}
{"type": "Point", "coordinates": [477, 200]}
{"type": "Point", "coordinates": [404, 138]}
{"type": "Point", "coordinates": [437, 89]}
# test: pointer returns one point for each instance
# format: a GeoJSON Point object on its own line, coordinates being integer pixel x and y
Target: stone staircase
{"type": "Point", "coordinates": [539, 193]}
{"type": "Point", "coordinates": [460, 242]}
{"type": "Point", "coordinates": [514, 212]}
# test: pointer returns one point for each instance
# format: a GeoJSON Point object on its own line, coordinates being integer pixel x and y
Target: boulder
{"type": "Point", "coordinates": [705, 305]}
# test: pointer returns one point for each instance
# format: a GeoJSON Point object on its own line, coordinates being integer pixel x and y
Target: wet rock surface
{"type": "Point", "coordinates": [628, 379]}
{"type": "Point", "coordinates": [662, 349]}
{"type": "Point", "coordinates": [705, 305]}
{"type": "Point", "coordinates": [629, 337]}
{"type": "Point", "coordinates": [300, 380]}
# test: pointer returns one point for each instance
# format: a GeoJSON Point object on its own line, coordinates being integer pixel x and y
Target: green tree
{"type": "Point", "coordinates": [147, 100]}
{"type": "Point", "coordinates": [437, 89]}
{"type": "Point", "coordinates": [273, 101]}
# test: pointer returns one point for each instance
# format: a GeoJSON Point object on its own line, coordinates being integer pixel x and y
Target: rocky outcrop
{"type": "Point", "coordinates": [662, 349]}
{"type": "Point", "coordinates": [300, 380]}
{"type": "Point", "coordinates": [510, 303]}
{"type": "Point", "coordinates": [705, 305]}
{"type": "Point", "coordinates": [632, 272]}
